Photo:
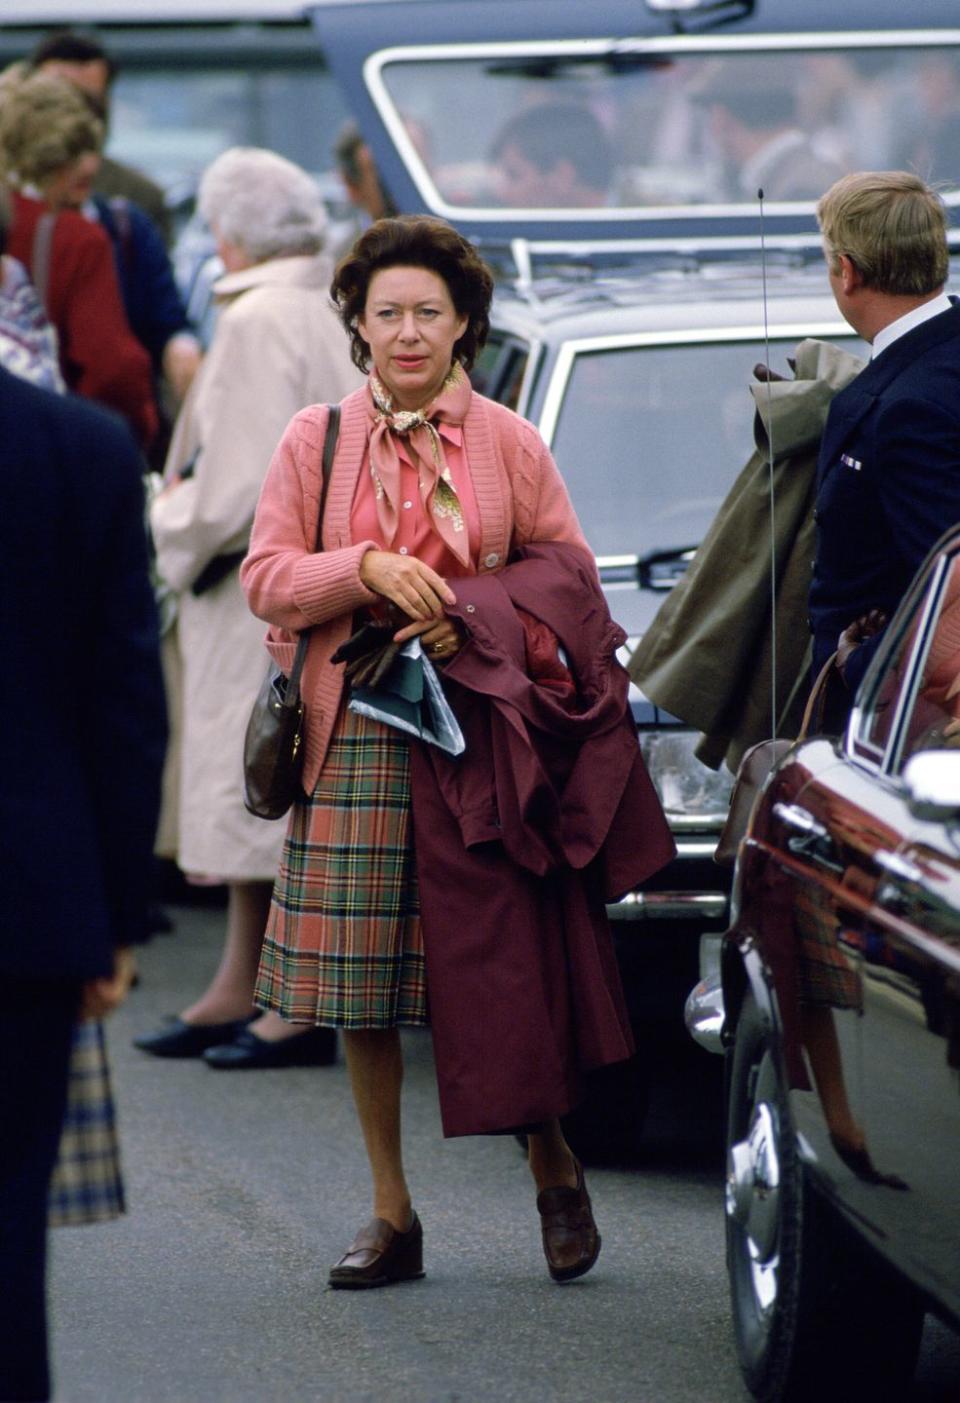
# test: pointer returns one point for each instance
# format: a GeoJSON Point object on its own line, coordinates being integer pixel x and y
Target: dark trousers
{"type": "Point", "coordinates": [36, 1027]}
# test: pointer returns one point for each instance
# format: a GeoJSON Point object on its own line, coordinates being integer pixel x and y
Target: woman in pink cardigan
{"type": "Point", "coordinates": [429, 482]}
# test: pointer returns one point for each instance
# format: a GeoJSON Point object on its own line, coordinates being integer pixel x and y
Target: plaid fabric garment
{"type": "Point", "coordinates": [343, 946]}
{"type": "Point", "coordinates": [87, 1185]}
{"type": "Point", "coordinates": [826, 976]}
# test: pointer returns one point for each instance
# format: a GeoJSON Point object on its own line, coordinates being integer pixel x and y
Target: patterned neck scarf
{"type": "Point", "coordinates": [425, 448]}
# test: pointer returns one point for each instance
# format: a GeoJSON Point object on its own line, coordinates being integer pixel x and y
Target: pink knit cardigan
{"type": "Point", "coordinates": [520, 498]}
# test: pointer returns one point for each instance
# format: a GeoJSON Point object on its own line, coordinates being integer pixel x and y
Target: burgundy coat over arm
{"type": "Point", "coordinates": [521, 841]}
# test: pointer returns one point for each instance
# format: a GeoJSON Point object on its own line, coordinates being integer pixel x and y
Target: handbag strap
{"type": "Point", "coordinates": [292, 693]}
{"type": "Point", "coordinates": [813, 711]}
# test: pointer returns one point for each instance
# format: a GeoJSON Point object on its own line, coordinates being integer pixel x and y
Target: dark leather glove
{"type": "Point", "coordinates": [367, 654]}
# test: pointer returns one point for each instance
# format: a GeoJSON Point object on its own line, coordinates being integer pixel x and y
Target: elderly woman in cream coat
{"type": "Point", "coordinates": [277, 347]}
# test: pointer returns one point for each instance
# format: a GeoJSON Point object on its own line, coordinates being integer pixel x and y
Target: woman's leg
{"type": "Point", "coordinates": [375, 1064]}
{"type": "Point", "coordinates": [551, 1159]}
{"type": "Point", "coordinates": [571, 1243]}
{"type": "Point", "coordinates": [819, 1034]}
{"type": "Point", "coordinates": [230, 993]}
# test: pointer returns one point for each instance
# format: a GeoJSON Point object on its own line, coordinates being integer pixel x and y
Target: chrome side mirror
{"type": "Point", "coordinates": [932, 781]}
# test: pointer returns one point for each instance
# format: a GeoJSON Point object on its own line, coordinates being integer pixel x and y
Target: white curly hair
{"type": "Point", "coordinates": [263, 203]}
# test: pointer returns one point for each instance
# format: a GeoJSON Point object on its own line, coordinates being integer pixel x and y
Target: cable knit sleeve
{"type": "Point", "coordinates": [288, 583]}
{"type": "Point", "coordinates": [543, 508]}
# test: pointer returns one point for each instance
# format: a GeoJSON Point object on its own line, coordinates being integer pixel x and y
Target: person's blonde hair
{"type": "Point", "coordinates": [892, 226]}
{"type": "Point", "coordinates": [45, 124]}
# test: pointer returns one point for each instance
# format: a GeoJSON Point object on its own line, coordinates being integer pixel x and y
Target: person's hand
{"type": "Point", "coordinates": [416, 589]}
{"type": "Point", "coordinates": [103, 996]}
{"type": "Point", "coordinates": [440, 638]}
{"type": "Point", "coordinates": [867, 626]}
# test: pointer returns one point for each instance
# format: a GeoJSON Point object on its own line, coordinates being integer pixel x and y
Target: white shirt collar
{"type": "Point", "coordinates": [908, 321]}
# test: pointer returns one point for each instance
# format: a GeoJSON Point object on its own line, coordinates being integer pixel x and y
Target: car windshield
{"type": "Point", "coordinates": [669, 427]}
{"type": "Point", "coordinates": [638, 125]}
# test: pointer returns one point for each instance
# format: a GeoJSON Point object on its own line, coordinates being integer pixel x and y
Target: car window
{"type": "Point", "coordinates": [649, 439]}
{"type": "Point", "coordinates": [586, 127]}
{"type": "Point", "coordinates": [913, 698]}
{"type": "Point", "coordinates": [933, 717]}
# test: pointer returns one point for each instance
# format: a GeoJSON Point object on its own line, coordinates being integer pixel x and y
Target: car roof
{"type": "Point", "coordinates": [488, 19]}
{"type": "Point", "coordinates": [672, 298]}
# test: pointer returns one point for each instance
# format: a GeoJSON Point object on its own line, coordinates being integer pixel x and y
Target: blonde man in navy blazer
{"type": "Point", "coordinates": [888, 478]}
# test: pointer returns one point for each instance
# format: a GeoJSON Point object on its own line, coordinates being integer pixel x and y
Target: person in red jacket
{"type": "Point", "coordinates": [50, 144]}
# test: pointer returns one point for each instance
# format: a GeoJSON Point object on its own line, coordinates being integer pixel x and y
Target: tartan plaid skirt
{"type": "Point", "coordinates": [826, 976]}
{"type": "Point", "coordinates": [343, 946]}
{"type": "Point", "coordinates": [87, 1184]}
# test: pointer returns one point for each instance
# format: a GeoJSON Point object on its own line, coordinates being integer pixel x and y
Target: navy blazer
{"type": "Point", "coordinates": [82, 716]}
{"type": "Point", "coordinates": [888, 482]}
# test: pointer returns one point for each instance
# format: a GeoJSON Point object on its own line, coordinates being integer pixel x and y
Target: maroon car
{"type": "Point", "coordinates": [838, 1011]}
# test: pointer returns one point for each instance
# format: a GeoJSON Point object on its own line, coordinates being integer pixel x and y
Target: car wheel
{"type": "Point", "coordinates": [815, 1314]}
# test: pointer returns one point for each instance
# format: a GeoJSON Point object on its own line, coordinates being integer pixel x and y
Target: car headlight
{"type": "Point", "coordinates": [687, 788]}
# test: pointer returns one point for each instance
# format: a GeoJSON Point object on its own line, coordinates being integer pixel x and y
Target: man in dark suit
{"type": "Point", "coordinates": [888, 477]}
{"type": "Point", "coordinates": [82, 734]}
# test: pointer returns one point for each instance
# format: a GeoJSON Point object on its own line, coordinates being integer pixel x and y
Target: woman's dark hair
{"type": "Point", "coordinates": [416, 241]}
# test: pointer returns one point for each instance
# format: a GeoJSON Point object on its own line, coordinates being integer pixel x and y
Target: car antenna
{"type": "Point", "coordinates": [773, 536]}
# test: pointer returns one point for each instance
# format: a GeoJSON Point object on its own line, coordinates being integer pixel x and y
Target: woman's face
{"type": "Point", "coordinates": [71, 186]}
{"type": "Point", "coordinates": [411, 326]}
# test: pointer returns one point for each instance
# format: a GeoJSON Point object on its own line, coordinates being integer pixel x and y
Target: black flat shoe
{"type": "Point", "coordinates": [179, 1039]}
{"type": "Point", "coordinates": [317, 1047]}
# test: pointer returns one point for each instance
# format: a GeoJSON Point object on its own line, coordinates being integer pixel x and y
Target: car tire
{"type": "Point", "coordinates": [815, 1314]}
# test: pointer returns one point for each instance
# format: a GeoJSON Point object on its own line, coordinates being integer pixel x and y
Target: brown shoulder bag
{"type": "Point", "coordinates": [273, 745]}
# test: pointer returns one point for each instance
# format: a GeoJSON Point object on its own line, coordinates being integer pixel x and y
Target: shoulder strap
{"type": "Point", "coordinates": [40, 254]}
{"type": "Point", "coordinates": [817, 700]}
{"type": "Point", "coordinates": [329, 447]}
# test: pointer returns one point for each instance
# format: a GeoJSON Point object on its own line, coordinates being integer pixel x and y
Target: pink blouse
{"type": "Point", "coordinates": [415, 535]}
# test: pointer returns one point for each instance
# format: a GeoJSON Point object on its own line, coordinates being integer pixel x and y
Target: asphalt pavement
{"type": "Point", "coordinates": [244, 1187]}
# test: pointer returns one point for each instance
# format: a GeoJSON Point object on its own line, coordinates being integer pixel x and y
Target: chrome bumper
{"type": "Point", "coordinates": [669, 905]}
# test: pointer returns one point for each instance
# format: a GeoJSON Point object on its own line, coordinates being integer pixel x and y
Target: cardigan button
{"type": "Point", "coordinates": [471, 608]}
{"type": "Point", "coordinates": [491, 560]}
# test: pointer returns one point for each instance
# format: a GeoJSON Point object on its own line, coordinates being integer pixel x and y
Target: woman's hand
{"type": "Point", "coordinates": [409, 584]}
{"type": "Point", "coordinates": [440, 637]}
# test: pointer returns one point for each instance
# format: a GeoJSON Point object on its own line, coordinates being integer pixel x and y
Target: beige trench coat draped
{"type": "Point", "coordinates": [278, 347]}
{"type": "Point", "coordinates": [706, 657]}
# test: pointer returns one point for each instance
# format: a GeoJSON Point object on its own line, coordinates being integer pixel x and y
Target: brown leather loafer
{"type": "Point", "coordinates": [380, 1255]}
{"type": "Point", "coordinates": [571, 1243]}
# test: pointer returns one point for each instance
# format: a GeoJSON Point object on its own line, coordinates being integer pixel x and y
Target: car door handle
{"type": "Point", "coordinates": [810, 838]}
{"type": "Point", "coordinates": [896, 866]}
{"type": "Point", "coordinates": [795, 817]}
